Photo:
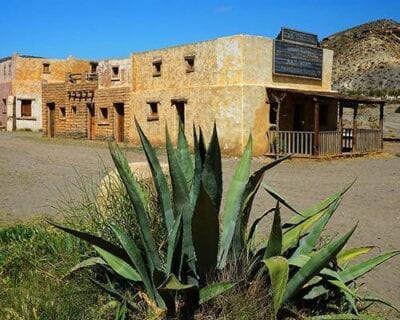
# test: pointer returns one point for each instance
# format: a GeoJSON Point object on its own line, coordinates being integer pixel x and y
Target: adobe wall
{"type": "Point", "coordinates": [27, 84]}
{"type": "Point", "coordinates": [74, 124]}
{"type": "Point", "coordinates": [107, 98]}
{"type": "Point", "coordinates": [5, 88]}
{"type": "Point", "coordinates": [228, 85]}
{"type": "Point", "coordinates": [106, 78]}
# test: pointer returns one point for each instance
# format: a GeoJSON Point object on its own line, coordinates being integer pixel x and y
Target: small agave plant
{"type": "Point", "coordinates": [201, 241]}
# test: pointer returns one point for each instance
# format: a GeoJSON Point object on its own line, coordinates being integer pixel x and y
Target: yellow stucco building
{"type": "Point", "coordinates": [279, 90]}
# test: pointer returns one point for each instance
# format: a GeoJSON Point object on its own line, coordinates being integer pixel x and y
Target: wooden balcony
{"type": "Point", "coordinates": [329, 143]}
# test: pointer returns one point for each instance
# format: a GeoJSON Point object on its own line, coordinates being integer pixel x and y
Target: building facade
{"type": "Point", "coordinates": [21, 79]}
{"type": "Point", "coordinates": [246, 84]}
{"type": "Point", "coordinates": [90, 104]}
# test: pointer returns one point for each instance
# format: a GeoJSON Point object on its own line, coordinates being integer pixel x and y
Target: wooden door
{"type": "Point", "coordinates": [91, 121]}
{"type": "Point", "coordinates": [119, 122]}
{"type": "Point", "coordinates": [51, 120]}
{"type": "Point", "coordinates": [180, 109]}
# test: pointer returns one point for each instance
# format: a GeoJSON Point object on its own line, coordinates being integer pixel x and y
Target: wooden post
{"type": "Point", "coordinates": [278, 99]}
{"type": "Point", "coordinates": [316, 126]}
{"type": "Point", "coordinates": [381, 108]}
{"type": "Point", "coordinates": [341, 126]}
{"type": "Point", "coordinates": [355, 110]}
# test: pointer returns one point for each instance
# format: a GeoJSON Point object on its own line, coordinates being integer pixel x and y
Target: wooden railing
{"type": "Point", "coordinates": [368, 140]}
{"type": "Point", "coordinates": [330, 143]}
{"type": "Point", "coordinates": [294, 142]}
{"type": "Point", "coordinates": [301, 143]}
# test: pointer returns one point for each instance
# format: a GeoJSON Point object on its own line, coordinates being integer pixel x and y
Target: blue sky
{"type": "Point", "coordinates": [102, 29]}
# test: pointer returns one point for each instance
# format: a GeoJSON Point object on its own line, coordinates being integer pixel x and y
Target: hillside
{"type": "Point", "coordinates": [367, 58]}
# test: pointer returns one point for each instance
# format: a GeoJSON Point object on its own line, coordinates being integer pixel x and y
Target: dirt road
{"type": "Point", "coordinates": [34, 172]}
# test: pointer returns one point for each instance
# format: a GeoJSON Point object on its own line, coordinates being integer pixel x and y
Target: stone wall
{"type": "Point", "coordinates": [29, 73]}
{"type": "Point", "coordinates": [227, 85]}
{"type": "Point", "coordinates": [107, 98]}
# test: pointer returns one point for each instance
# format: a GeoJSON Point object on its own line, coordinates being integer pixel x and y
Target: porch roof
{"type": "Point", "coordinates": [332, 95]}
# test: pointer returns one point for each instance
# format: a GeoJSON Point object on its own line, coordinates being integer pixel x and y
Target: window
{"type": "Point", "coordinates": [153, 111]}
{"type": "Point", "coordinates": [104, 113]}
{"type": "Point", "coordinates": [189, 64]}
{"type": "Point", "coordinates": [46, 67]}
{"type": "Point", "coordinates": [93, 67]}
{"type": "Point", "coordinates": [4, 71]}
{"type": "Point", "coordinates": [26, 108]}
{"type": "Point", "coordinates": [73, 110]}
{"type": "Point", "coordinates": [157, 68]}
{"type": "Point", "coordinates": [62, 113]}
{"type": "Point", "coordinates": [115, 72]}
{"type": "Point", "coordinates": [9, 69]}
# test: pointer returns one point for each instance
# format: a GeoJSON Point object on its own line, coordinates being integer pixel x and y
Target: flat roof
{"type": "Point", "coordinates": [332, 95]}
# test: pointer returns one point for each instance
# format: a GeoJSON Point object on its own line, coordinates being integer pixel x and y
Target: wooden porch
{"type": "Point", "coordinates": [331, 143]}
{"type": "Point", "coordinates": [304, 135]}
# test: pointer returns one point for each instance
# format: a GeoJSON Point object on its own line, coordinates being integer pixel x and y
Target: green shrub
{"type": "Point", "coordinates": [33, 264]}
{"type": "Point", "coordinates": [201, 245]}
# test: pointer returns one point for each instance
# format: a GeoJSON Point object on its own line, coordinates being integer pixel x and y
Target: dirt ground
{"type": "Point", "coordinates": [34, 172]}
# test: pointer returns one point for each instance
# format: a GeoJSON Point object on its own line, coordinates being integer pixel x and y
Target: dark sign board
{"type": "Point", "coordinates": [297, 60]}
{"type": "Point", "coordinates": [299, 36]}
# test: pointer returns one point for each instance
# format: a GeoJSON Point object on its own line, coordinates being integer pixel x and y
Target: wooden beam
{"type": "Point", "coordinates": [355, 111]}
{"type": "Point", "coordinates": [381, 115]}
{"type": "Point", "coordinates": [340, 126]}
{"type": "Point", "coordinates": [316, 126]}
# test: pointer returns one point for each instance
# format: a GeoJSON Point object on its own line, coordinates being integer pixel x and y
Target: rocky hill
{"type": "Point", "coordinates": [367, 58]}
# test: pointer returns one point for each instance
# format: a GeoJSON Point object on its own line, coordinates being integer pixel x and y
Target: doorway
{"type": "Point", "coordinates": [51, 113]}
{"type": "Point", "coordinates": [119, 122]}
{"type": "Point", "coordinates": [91, 121]}
{"type": "Point", "coordinates": [299, 118]}
{"type": "Point", "coordinates": [180, 110]}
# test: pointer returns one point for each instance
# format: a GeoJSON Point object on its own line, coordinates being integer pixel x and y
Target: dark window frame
{"type": "Point", "coordinates": [46, 68]}
{"type": "Point", "coordinates": [26, 109]}
{"type": "Point", "coordinates": [190, 63]}
{"type": "Point", "coordinates": [63, 112]}
{"type": "Point", "coordinates": [153, 111]}
{"type": "Point", "coordinates": [104, 114]}
{"type": "Point", "coordinates": [157, 67]}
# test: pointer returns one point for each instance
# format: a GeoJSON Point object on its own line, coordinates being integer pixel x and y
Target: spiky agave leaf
{"type": "Point", "coordinates": [280, 198]}
{"type": "Point", "coordinates": [233, 204]}
{"type": "Point", "coordinates": [184, 157]}
{"type": "Point", "coordinates": [307, 244]}
{"type": "Point", "coordinates": [95, 240]}
{"type": "Point", "coordinates": [315, 265]}
{"type": "Point", "coordinates": [159, 179]}
{"type": "Point", "coordinates": [136, 258]}
{"type": "Point", "coordinates": [183, 206]}
{"type": "Point", "coordinates": [274, 245]}
{"type": "Point", "coordinates": [135, 194]}
{"type": "Point", "coordinates": [119, 266]}
{"type": "Point", "coordinates": [252, 187]}
{"type": "Point", "coordinates": [355, 271]}
{"type": "Point", "coordinates": [346, 255]}
{"type": "Point", "coordinates": [317, 208]}
{"type": "Point", "coordinates": [214, 290]}
{"type": "Point", "coordinates": [278, 270]}
{"type": "Point", "coordinates": [212, 170]}
{"type": "Point", "coordinates": [205, 233]}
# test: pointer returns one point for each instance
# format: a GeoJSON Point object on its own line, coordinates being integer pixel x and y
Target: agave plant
{"type": "Point", "coordinates": [201, 240]}
{"type": "Point", "coordinates": [302, 271]}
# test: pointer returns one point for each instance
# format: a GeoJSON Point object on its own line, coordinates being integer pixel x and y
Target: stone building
{"type": "Point", "coordinates": [21, 79]}
{"type": "Point", "coordinates": [90, 104]}
{"type": "Point", "coordinates": [279, 90]}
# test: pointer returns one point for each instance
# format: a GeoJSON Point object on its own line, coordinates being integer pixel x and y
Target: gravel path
{"type": "Point", "coordinates": [34, 171]}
